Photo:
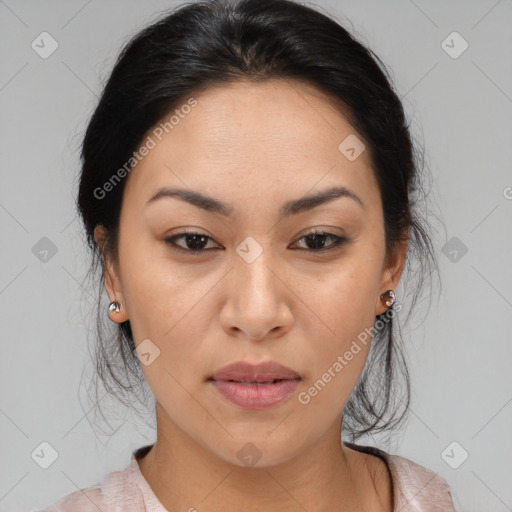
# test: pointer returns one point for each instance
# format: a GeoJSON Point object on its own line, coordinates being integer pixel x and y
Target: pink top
{"type": "Point", "coordinates": [415, 489]}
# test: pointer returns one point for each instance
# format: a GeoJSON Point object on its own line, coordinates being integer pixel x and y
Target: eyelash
{"type": "Point", "coordinates": [338, 241]}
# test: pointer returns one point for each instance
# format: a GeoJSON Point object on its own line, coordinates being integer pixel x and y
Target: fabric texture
{"type": "Point", "coordinates": [415, 489]}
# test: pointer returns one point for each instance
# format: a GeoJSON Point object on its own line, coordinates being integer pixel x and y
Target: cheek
{"type": "Point", "coordinates": [175, 312]}
{"type": "Point", "coordinates": [160, 295]}
{"type": "Point", "coordinates": [344, 297]}
{"type": "Point", "coordinates": [338, 321]}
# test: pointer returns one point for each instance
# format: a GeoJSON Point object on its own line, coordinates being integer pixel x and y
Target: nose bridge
{"type": "Point", "coordinates": [253, 268]}
{"type": "Point", "coordinates": [256, 304]}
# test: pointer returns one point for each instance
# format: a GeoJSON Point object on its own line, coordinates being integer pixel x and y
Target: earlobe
{"type": "Point", "coordinates": [116, 308]}
{"type": "Point", "coordinates": [117, 312]}
{"type": "Point", "coordinates": [392, 272]}
{"type": "Point", "coordinates": [388, 297]}
{"type": "Point", "coordinates": [385, 301]}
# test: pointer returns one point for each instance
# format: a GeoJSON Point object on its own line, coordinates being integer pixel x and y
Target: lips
{"type": "Point", "coordinates": [255, 387]}
{"type": "Point", "coordinates": [244, 372]}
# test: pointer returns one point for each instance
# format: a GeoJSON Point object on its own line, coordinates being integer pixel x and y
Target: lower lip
{"type": "Point", "coordinates": [256, 396]}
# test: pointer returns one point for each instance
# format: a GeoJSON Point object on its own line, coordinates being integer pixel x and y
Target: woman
{"type": "Point", "coordinates": [248, 185]}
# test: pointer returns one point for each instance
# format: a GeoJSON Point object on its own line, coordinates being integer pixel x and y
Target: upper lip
{"type": "Point", "coordinates": [262, 372]}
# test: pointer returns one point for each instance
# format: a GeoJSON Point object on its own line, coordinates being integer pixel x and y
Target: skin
{"type": "Point", "coordinates": [254, 146]}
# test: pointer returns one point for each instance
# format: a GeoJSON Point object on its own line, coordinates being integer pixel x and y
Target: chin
{"type": "Point", "coordinates": [256, 453]}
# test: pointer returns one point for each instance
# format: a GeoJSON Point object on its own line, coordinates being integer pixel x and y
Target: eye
{"type": "Point", "coordinates": [317, 238]}
{"type": "Point", "coordinates": [194, 242]}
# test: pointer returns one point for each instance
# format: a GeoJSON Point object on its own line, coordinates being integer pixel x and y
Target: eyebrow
{"type": "Point", "coordinates": [288, 209]}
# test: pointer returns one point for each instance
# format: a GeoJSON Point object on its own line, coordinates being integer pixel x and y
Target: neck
{"type": "Point", "coordinates": [184, 475]}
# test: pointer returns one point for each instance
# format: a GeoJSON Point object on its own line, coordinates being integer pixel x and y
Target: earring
{"type": "Point", "coordinates": [388, 297]}
{"type": "Point", "coordinates": [114, 306]}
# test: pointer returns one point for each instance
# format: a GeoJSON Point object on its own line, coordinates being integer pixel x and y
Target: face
{"type": "Point", "coordinates": [258, 282]}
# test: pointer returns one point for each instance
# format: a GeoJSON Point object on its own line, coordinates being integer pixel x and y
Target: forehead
{"type": "Point", "coordinates": [283, 117]}
{"type": "Point", "coordinates": [271, 137]}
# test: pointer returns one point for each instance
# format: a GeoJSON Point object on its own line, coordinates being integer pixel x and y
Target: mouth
{"type": "Point", "coordinates": [256, 395]}
{"type": "Point", "coordinates": [266, 372]}
{"type": "Point", "coordinates": [255, 387]}
{"type": "Point", "coordinates": [253, 382]}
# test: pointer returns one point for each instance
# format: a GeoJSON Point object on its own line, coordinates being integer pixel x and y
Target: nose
{"type": "Point", "coordinates": [258, 299]}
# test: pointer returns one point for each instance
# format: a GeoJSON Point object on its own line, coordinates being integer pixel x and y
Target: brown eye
{"type": "Point", "coordinates": [194, 242]}
{"type": "Point", "coordinates": [316, 241]}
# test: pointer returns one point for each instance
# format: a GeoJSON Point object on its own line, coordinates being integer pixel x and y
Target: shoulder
{"type": "Point", "coordinates": [417, 488]}
{"type": "Point", "coordinates": [82, 500]}
{"type": "Point", "coordinates": [410, 486]}
{"type": "Point", "coordinates": [116, 492]}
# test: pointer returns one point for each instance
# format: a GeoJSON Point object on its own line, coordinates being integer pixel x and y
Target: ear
{"type": "Point", "coordinates": [392, 271]}
{"type": "Point", "coordinates": [112, 283]}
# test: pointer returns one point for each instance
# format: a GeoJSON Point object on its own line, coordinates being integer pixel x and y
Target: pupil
{"type": "Point", "coordinates": [317, 239]}
{"type": "Point", "coordinates": [198, 242]}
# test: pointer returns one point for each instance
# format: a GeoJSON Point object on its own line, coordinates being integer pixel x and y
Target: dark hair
{"type": "Point", "coordinates": [208, 43]}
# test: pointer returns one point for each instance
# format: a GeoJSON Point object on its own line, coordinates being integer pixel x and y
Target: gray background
{"type": "Point", "coordinates": [459, 356]}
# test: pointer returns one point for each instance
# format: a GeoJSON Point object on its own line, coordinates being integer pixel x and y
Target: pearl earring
{"type": "Point", "coordinates": [388, 297]}
{"type": "Point", "coordinates": [114, 306]}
